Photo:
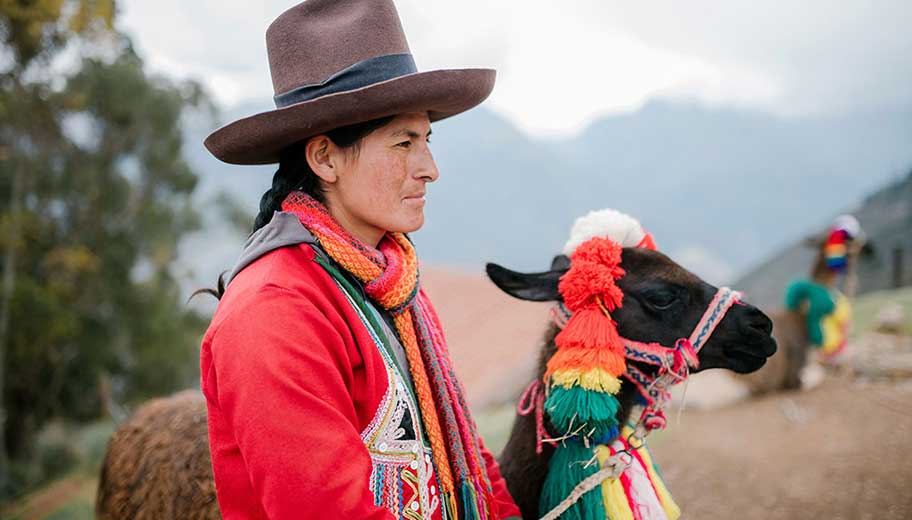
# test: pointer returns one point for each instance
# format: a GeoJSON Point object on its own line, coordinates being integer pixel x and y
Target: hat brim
{"type": "Point", "coordinates": [258, 139]}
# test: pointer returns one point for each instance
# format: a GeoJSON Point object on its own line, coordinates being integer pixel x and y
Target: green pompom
{"type": "Point", "coordinates": [571, 408]}
{"type": "Point", "coordinates": [567, 469]}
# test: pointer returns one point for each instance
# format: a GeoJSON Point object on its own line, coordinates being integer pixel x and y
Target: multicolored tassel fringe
{"type": "Point", "coordinates": [583, 376]}
{"type": "Point", "coordinates": [640, 492]}
{"type": "Point", "coordinates": [572, 463]}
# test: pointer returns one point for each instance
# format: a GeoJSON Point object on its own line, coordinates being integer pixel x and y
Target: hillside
{"type": "Point", "coordinates": [885, 215]}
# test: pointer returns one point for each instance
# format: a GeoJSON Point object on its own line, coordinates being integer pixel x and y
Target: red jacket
{"type": "Point", "coordinates": [298, 394]}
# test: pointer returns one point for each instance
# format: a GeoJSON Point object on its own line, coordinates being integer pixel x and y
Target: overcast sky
{"type": "Point", "coordinates": [562, 64]}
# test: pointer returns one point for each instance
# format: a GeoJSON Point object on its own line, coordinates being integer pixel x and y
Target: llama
{"type": "Point", "coordinates": [662, 303]}
{"type": "Point", "coordinates": [158, 464]}
{"type": "Point", "coordinates": [791, 368]}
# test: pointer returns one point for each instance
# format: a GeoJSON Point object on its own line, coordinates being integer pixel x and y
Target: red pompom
{"type": "Point", "coordinates": [595, 267]}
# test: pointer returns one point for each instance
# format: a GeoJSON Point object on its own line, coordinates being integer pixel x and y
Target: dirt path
{"type": "Point", "coordinates": [840, 451]}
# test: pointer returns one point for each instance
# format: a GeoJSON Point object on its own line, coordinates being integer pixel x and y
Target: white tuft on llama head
{"type": "Point", "coordinates": [607, 223]}
{"type": "Point", "coordinates": [850, 225]}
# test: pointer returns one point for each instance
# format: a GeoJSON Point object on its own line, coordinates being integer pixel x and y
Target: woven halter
{"type": "Point", "coordinates": [674, 365]}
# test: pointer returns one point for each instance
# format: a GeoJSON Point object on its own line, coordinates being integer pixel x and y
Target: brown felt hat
{"type": "Point", "coordinates": [337, 63]}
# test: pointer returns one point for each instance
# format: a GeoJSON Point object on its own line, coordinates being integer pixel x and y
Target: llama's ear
{"type": "Point", "coordinates": [536, 287]}
{"type": "Point", "coordinates": [560, 263]}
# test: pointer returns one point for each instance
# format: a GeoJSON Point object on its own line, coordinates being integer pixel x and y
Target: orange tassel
{"type": "Point", "coordinates": [586, 359]}
{"type": "Point", "coordinates": [590, 328]}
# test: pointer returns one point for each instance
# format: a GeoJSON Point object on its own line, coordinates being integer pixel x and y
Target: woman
{"type": "Point", "coordinates": [328, 384]}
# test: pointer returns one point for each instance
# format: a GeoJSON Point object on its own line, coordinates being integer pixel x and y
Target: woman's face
{"type": "Point", "coordinates": [380, 185]}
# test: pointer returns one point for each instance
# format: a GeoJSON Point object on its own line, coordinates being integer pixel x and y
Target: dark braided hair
{"type": "Point", "coordinates": [295, 173]}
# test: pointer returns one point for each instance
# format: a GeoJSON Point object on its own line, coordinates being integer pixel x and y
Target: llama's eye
{"type": "Point", "coordinates": [661, 300]}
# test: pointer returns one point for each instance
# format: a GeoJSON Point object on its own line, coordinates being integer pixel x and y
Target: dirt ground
{"type": "Point", "coordinates": [842, 450]}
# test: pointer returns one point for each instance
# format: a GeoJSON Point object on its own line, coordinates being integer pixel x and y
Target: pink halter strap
{"type": "Point", "coordinates": [533, 401]}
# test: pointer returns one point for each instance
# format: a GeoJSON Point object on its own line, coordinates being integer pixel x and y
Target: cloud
{"type": "Point", "coordinates": [567, 67]}
{"type": "Point", "coordinates": [704, 263]}
{"type": "Point", "coordinates": [562, 64]}
{"type": "Point", "coordinates": [824, 56]}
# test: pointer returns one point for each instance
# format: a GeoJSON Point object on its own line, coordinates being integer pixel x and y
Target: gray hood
{"type": "Point", "coordinates": [283, 230]}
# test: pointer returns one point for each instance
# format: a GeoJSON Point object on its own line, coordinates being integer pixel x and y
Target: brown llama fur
{"type": "Point", "coordinates": [158, 464]}
{"type": "Point", "coordinates": [782, 371]}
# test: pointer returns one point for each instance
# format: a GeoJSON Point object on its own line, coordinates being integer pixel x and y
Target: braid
{"type": "Point", "coordinates": [293, 174]}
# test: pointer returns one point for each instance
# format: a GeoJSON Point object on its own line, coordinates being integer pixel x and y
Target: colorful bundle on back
{"type": "Point", "coordinates": [583, 376]}
{"type": "Point", "coordinates": [835, 328]}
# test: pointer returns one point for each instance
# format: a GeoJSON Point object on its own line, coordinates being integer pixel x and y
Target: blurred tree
{"type": "Point", "coordinates": [94, 198]}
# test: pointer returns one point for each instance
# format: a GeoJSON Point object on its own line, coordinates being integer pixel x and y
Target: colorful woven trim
{"type": "Point", "coordinates": [390, 277]}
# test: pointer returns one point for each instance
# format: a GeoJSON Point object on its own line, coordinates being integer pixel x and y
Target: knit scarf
{"type": "Point", "coordinates": [389, 274]}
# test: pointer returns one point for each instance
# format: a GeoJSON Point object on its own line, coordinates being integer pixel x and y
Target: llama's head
{"type": "Point", "coordinates": [662, 301]}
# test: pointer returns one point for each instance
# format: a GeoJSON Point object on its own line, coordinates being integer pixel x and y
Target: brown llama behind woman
{"type": "Point", "coordinates": [158, 464]}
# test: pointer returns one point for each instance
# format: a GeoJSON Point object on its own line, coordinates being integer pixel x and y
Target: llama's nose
{"type": "Point", "coordinates": [755, 320]}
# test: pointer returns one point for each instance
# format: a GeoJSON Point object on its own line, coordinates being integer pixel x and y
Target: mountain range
{"type": "Point", "coordinates": [721, 189]}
